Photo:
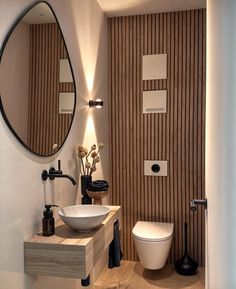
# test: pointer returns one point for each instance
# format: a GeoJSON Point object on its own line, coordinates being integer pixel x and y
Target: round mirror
{"type": "Point", "coordinates": [37, 87]}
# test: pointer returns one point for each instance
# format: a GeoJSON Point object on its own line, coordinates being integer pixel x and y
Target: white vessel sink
{"type": "Point", "coordinates": [83, 217]}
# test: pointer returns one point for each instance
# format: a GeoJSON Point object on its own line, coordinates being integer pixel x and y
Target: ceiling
{"type": "Point", "coordinates": [114, 8]}
{"type": "Point", "coordinates": [40, 13]}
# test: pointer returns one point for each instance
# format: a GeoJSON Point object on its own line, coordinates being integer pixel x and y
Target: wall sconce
{"type": "Point", "coordinates": [98, 103]}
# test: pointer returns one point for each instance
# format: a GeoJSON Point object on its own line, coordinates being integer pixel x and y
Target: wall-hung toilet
{"type": "Point", "coordinates": [152, 241]}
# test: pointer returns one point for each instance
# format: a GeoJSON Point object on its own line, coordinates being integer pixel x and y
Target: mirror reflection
{"type": "Point", "coordinates": [36, 82]}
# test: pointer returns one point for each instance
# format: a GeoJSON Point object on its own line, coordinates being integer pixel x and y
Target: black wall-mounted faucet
{"type": "Point", "coordinates": [53, 173]}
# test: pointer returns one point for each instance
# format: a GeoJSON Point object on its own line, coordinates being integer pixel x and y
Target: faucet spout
{"type": "Point", "coordinates": [52, 174]}
{"type": "Point", "coordinates": [64, 176]}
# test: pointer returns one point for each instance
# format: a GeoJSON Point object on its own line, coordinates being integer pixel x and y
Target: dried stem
{"type": "Point", "coordinates": [87, 159]}
{"type": "Point", "coordinates": [82, 165]}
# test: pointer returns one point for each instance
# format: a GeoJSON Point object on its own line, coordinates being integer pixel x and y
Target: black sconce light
{"type": "Point", "coordinates": [98, 103]}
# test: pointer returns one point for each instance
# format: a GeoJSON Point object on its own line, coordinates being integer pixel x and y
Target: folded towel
{"type": "Point", "coordinates": [115, 254]}
{"type": "Point", "coordinates": [98, 186]}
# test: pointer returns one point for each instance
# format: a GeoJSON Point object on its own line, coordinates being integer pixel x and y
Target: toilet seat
{"type": "Point", "coordinates": [152, 231]}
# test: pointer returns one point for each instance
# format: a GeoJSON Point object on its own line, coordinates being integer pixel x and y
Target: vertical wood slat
{"type": "Point", "coordinates": [177, 136]}
{"type": "Point", "coordinates": [46, 125]}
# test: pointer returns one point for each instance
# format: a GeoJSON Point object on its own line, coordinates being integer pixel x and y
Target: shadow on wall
{"type": "Point", "coordinates": [89, 54]}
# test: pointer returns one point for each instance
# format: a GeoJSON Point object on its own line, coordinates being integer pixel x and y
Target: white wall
{"type": "Point", "coordinates": [221, 144]}
{"type": "Point", "coordinates": [21, 189]}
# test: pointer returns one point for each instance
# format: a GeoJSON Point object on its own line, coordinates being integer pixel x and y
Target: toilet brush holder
{"type": "Point", "coordinates": [186, 265]}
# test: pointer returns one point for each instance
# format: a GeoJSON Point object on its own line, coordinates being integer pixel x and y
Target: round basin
{"type": "Point", "coordinates": [83, 217]}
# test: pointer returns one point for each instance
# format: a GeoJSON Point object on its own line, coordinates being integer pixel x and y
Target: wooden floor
{"type": "Point", "coordinates": [131, 275]}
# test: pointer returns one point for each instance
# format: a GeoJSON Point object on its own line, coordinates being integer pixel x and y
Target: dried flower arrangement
{"type": "Point", "coordinates": [87, 168]}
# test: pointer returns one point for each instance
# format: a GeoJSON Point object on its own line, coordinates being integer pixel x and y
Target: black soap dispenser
{"type": "Point", "coordinates": [48, 221]}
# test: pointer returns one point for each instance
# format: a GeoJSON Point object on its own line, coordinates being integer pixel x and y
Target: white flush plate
{"type": "Point", "coordinates": [65, 71]}
{"type": "Point", "coordinates": [148, 168]}
{"type": "Point", "coordinates": [66, 102]}
{"type": "Point", "coordinates": [154, 101]}
{"type": "Point", "coordinates": [155, 66]}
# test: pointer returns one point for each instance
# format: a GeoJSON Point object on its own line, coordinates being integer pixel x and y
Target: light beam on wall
{"type": "Point", "coordinates": [90, 138]}
{"type": "Point", "coordinates": [88, 37]}
{"type": "Point", "coordinates": [90, 134]}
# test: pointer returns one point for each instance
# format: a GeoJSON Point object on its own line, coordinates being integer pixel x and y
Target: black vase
{"type": "Point", "coordinates": [85, 181]}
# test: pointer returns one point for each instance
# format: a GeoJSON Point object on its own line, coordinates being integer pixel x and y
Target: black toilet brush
{"type": "Point", "coordinates": [186, 265]}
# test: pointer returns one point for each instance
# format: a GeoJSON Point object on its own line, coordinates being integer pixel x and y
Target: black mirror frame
{"type": "Point", "coordinates": [1, 54]}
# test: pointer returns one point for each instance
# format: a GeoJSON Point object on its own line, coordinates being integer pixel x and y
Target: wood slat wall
{"type": "Point", "coordinates": [46, 125]}
{"type": "Point", "coordinates": [177, 136]}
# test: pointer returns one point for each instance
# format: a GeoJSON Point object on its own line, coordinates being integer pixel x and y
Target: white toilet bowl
{"type": "Point", "coordinates": [153, 241]}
